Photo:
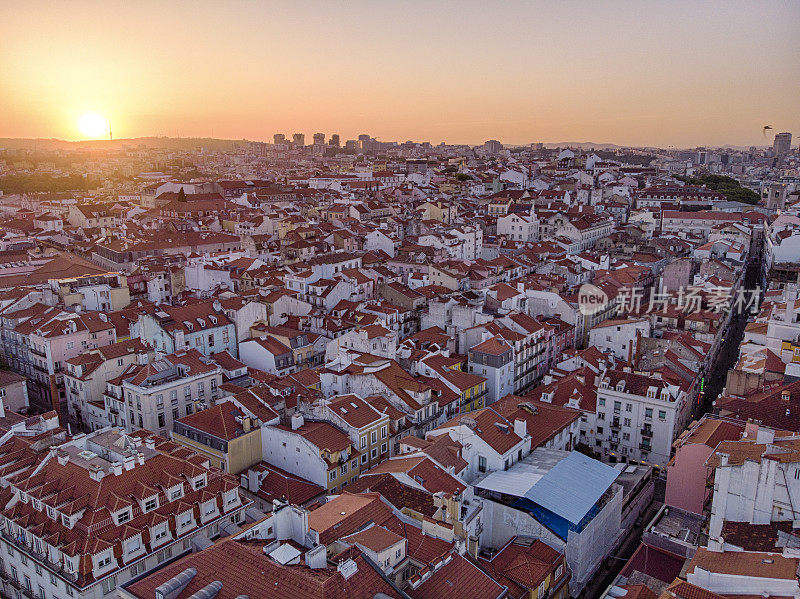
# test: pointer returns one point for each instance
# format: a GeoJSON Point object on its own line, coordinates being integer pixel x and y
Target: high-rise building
{"type": "Point", "coordinates": [279, 138]}
{"type": "Point", "coordinates": [299, 140]}
{"type": "Point", "coordinates": [782, 144]}
{"type": "Point", "coordinates": [334, 141]}
{"type": "Point", "coordinates": [493, 146]}
{"type": "Point", "coordinates": [319, 139]}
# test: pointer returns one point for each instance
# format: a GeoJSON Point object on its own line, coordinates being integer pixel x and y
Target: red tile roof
{"type": "Point", "coordinates": [523, 565]}
{"type": "Point", "coordinates": [228, 560]}
{"type": "Point", "coordinates": [458, 578]}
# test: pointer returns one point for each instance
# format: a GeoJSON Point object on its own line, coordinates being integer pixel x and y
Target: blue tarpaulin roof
{"type": "Point", "coordinates": [572, 487]}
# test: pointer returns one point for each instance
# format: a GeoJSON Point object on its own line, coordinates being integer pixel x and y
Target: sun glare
{"type": "Point", "coordinates": [93, 126]}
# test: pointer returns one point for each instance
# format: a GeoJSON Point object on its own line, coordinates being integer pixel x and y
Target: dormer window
{"type": "Point", "coordinates": [213, 319]}
{"type": "Point", "coordinates": [133, 545]}
{"type": "Point", "coordinates": [151, 504]}
{"type": "Point", "coordinates": [200, 482]}
{"type": "Point", "coordinates": [123, 516]}
{"type": "Point", "coordinates": [186, 520]}
{"type": "Point", "coordinates": [104, 561]}
{"type": "Point", "coordinates": [176, 493]}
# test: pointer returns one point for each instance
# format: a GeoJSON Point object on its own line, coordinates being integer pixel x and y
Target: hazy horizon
{"type": "Point", "coordinates": [767, 143]}
{"type": "Point", "coordinates": [625, 73]}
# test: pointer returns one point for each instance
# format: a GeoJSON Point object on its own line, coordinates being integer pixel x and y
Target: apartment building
{"type": "Point", "coordinates": [223, 433]}
{"type": "Point", "coordinates": [85, 381]}
{"type": "Point", "coordinates": [618, 336]}
{"type": "Point", "coordinates": [102, 509]}
{"type": "Point", "coordinates": [639, 415]}
{"type": "Point", "coordinates": [13, 391]}
{"type": "Point", "coordinates": [268, 354]}
{"type": "Point", "coordinates": [40, 339]}
{"type": "Point", "coordinates": [367, 428]}
{"type": "Point", "coordinates": [106, 292]}
{"type": "Point", "coordinates": [490, 442]}
{"type": "Point", "coordinates": [367, 375]}
{"type": "Point", "coordinates": [586, 230]}
{"type": "Point", "coordinates": [316, 451]}
{"type": "Point", "coordinates": [493, 359]}
{"type": "Point", "coordinates": [371, 339]}
{"type": "Point", "coordinates": [198, 326]}
{"type": "Point", "coordinates": [519, 227]}
{"type": "Point", "coordinates": [155, 395]}
{"type": "Point", "coordinates": [676, 222]}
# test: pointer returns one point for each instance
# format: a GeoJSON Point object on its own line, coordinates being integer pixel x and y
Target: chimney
{"type": "Point", "coordinates": [520, 428]}
{"type": "Point", "coordinates": [253, 482]}
{"type": "Point", "coordinates": [297, 421]}
{"type": "Point", "coordinates": [316, 558]}
{"type": "Point", "coordinates": [150, 443]}
{"type": "Point", "coordinates": [116, 467]}
{"type": "Point", "coordinates": [129, 462]}
{"type": "Point", "coordinates": [765, 435]}
{"type": "Point", "coordinates": [246, 424]}
{"type": "Point", "coordinates": [96, 472]}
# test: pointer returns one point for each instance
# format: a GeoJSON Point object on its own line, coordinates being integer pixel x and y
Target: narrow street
{"type": "Point", "coordinates": [613, 564]}
{"type": "Point", "coordinates": [729, 352]}
{"type": "Point", "coordinates": [714, 384]}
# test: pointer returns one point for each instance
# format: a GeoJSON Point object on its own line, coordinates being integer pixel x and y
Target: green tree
{"type": "Point", "coordinates": [728, 186]}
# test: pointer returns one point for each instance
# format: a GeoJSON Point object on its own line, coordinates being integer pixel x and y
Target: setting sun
{"type": "Point", "coordinates": [93, 125]}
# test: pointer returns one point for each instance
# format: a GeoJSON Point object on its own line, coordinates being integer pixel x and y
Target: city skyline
{"type": "Point", "coordinates": [518, 73]}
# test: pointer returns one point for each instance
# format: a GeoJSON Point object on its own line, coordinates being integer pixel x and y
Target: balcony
{"type": "Point", "coordinates": [645, 447]}
{"type": "Point", "coordinates": [615, 424]}
{"type": "Point", "coordinates": [34, 555]}
{"type": "Point", "coordinates": [647, 432]}
{"type": "Point", "coordinates": [40, 368]}
{"type": "Point", "coordinates": [39, 352]}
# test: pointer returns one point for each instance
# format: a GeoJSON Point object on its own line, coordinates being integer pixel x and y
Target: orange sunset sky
{"type": "Point", "coordinates": [638, 73]}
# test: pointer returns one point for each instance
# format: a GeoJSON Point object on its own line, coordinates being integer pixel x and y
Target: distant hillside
{"type": "Point", "coordinates": [168, 143]}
